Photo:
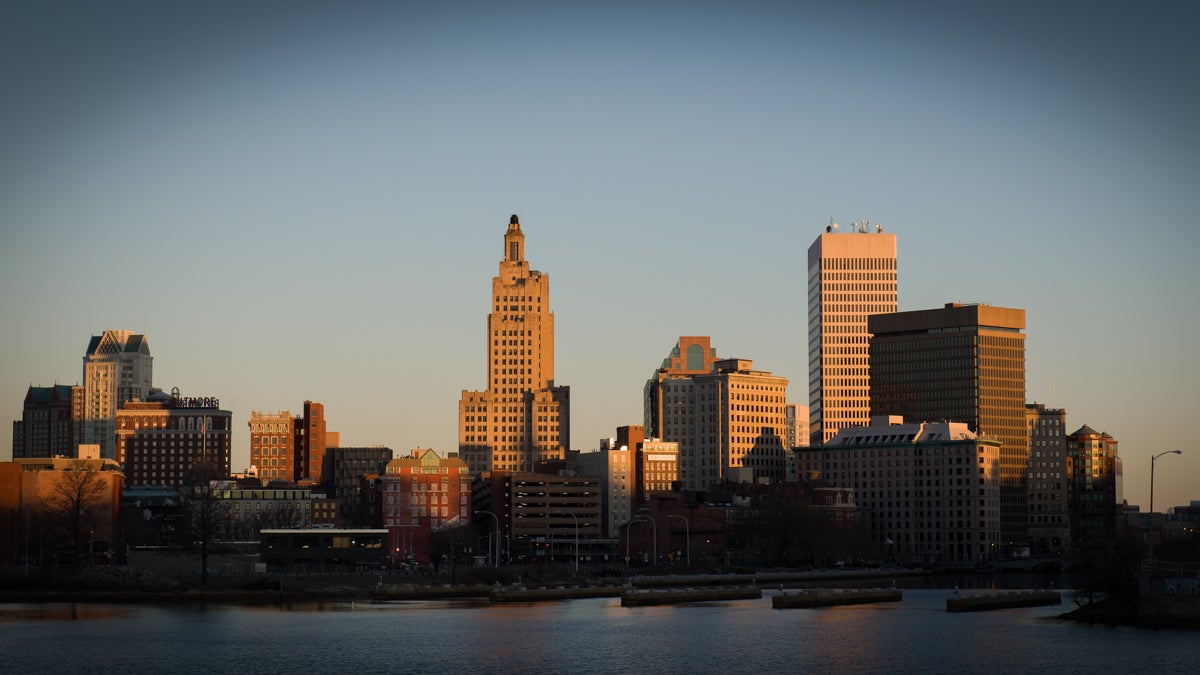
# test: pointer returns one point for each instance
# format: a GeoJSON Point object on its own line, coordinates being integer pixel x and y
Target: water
{"type": "Point", "coordinates": [579, 636]}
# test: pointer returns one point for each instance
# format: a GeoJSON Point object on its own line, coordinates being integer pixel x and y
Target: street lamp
{"type": "Point", "coordinates": [1152, 460]}
{"type": "Point", "coordinates": [576, 541]}
{"type": "Point", "coordinates": [629, 532]}
{"type": "Point", "coordinates": [687, 534]}
{"type": "Point", "coordinates": [496, 555]}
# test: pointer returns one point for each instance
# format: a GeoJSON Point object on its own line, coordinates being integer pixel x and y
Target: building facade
{"type": "Point", "coordinates": [159, 441]}
{"type": "Point", "coordinates": [310, 442]}
{"type": "Point", "coordinates": [524, 417]}
{"type": "Point", "coordinates": [344, 473]}
{"type": "Point", "coordinates": [422, 493]}
{"type": "Point", "coordinates": [930, 491]}
{"type": "Point", "coordinates": [614, 465]}
{"type": "Point", "coordinates": [961, 363]}
{"type": "Point", "coordinates": [729, 422]}
{"type": "Point", "coordinates": [60, 512]}
{"type": "Point", "coordinates": [273, 445]}
{"type": "Point", "coordinates": [117, 367]}
{"type": "Point", "coordinates": [851, 275]}
{"type": "Point", "coordinates": [1049, 518]}
{"type": "Point", "coordinates": [50, 422]}
{"type": "Point", "coordinates": [1095, 490]}
{"type": "Point", "coordinates": [543, 515]}
{"type": "Point", "coordinates": [657, 466]}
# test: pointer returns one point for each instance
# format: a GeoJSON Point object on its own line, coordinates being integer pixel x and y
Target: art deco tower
{"type": "Point", "coordinates": [523, 418]}
{"type": "Point", "coordinates": [851, 275]}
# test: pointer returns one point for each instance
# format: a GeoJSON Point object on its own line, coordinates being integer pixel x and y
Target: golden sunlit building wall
{"type": "Point", "coordinates": [851, 275]}
{"type": "Point", "coordinates": [961, 363]}
{"type": "Point", "coordinates": [117, 367]}
{"type": "Point", "coordinates": [273, 445]}
{"type": "Point", "coordinates": [729, 422]}
{"type": "Point", "coordinates": [1095, 489]}
{"type": "Point", "coordinates": [523, 418]}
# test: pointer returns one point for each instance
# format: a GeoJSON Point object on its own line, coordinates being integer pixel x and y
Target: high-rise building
{"type": "Point", "coordinates": [1049, 519]}
{"type": "Point", "coordinates": [48, 426]}
{"type": "Point", "coordinates": [523, 418]}
{"type": "Point", "coordinates": [851, 275]}
{"type": "Point", "coordinates": [692, 355]}
{"type": "Point", "coordinates": [160, 440]}
{"type": "Point", "coordinates": [117, 367]}
{"type": "Point", "coordinates": [1095, 489]}
{"type": "Point", "coordinates": [273, 445]}
{"type": "Point", "coordinates": [729, 421]}
{"type": "Point", "coordinates": [930, 490]}
{"type": "Point", "coordinates": [960, 363]}
{"type": "Point", "coordinates": [310, 442]}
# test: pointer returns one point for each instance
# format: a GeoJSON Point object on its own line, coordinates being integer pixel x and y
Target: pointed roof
{"type": "Point", "coordinates": [1085, 430]}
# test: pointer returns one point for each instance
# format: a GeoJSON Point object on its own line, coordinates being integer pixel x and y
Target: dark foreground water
{"type": "Point", "coordinates": [580, 636]}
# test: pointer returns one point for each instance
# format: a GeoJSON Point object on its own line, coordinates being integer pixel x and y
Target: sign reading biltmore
{"type": "Point", "coordinates": [197, 402]}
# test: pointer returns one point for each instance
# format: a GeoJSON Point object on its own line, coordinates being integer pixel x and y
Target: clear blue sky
{"type": "Point", "coordinates": [308, 200]}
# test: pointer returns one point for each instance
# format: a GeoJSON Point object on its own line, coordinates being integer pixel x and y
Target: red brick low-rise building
{"type": "Point", "coordinates": [422, 493]}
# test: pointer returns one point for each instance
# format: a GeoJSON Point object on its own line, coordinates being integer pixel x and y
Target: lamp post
{"type": "Point", "coordinates": [687, 534]}
{"type": "Point", "coordinates": [654, 541]}
{"type": "Point", "coordinates": [496, 555]}
{"type": "Point", "coordinates": [1150, 522]}
{"type": "Point", "coordinates": [1152, 461]}
{"type": "Point", "coordinates": [576, 540]}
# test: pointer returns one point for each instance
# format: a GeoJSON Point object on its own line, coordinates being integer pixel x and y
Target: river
{"type": "Point", "coordinates": [578, 636]}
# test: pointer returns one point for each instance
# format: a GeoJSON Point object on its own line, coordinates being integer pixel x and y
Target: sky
{"type": "Point", "coordinates": [308, 200]}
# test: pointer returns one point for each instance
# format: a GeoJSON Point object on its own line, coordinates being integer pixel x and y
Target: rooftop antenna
{"type": "Point", "coordinates": [1053, 390]}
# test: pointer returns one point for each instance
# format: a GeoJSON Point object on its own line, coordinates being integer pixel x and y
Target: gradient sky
{"type": "Point", "coordinates": [307, 201]}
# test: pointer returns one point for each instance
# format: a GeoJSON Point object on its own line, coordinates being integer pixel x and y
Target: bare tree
{"type": "Point", "coordinates": [206, 512]}
{"type": "Point", "coordinates": [75, 506]}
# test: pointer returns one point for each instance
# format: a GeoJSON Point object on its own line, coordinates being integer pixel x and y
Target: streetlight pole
{"type": "Point", "coordinates": [1150, 522]}
{"type": "Point", "coordinates": [576, 540]}
{"type": "Point", "coordinates": [496, 555]}
{"type": "Point", "coordinates": [654, 530]}
{"type": "Point", "coordinates": [1152, 461]}
{"type": "Point", "coordinates": [687, 534]}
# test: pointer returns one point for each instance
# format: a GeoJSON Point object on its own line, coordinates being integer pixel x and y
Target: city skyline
{"type": "Point", "coordinates": [305, 204]}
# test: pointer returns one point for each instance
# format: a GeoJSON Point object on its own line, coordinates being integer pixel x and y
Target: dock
{"type": "Point", "coordinates": [835, 597]}
{"type": "Point", "coordinates": [674, 596]}
{"type": "Point", "coordinates": [983, 603]}
{"type": "Point", "coordinates": [553, 594]}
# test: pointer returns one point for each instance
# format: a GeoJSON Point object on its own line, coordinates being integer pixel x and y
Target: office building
{"type": "Point", "coordinates": [961, 363]}
{"type": "Point", "coordinates": [524, 417]}
{"type": "Point", "coordinates": [310, 442]}
{"type": "Point", "coordinates": [851, 275]}
{"type": "Point", "coordinates": [729, 421]}
{"type": "Point", "coordinates": [117, 367]}
{"type": "Point", "coordinates": [657, 467]}
{"type": "Point", "coordinates": [346, 470]}
{"type": "Point", "coordinates": [161, 439]}
{"type": "Point", "coordinates": [1049, 518]}
{"type": "Point", "coordinates": [49, 424]}
{"type": "Point", "coordinates": [614, 465]}
{"type": "Point", "coordinates": [930, 491]}
{"type": "Point", "coordinates": [273, 445]}
{"type": "Point", "coordinates": [422, 493]}
{"type": "Point", "coordinates": [1094, 488]}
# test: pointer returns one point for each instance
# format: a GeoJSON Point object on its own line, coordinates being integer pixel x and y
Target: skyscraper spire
{"type": "Point", "coordinates": [522, 418]}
